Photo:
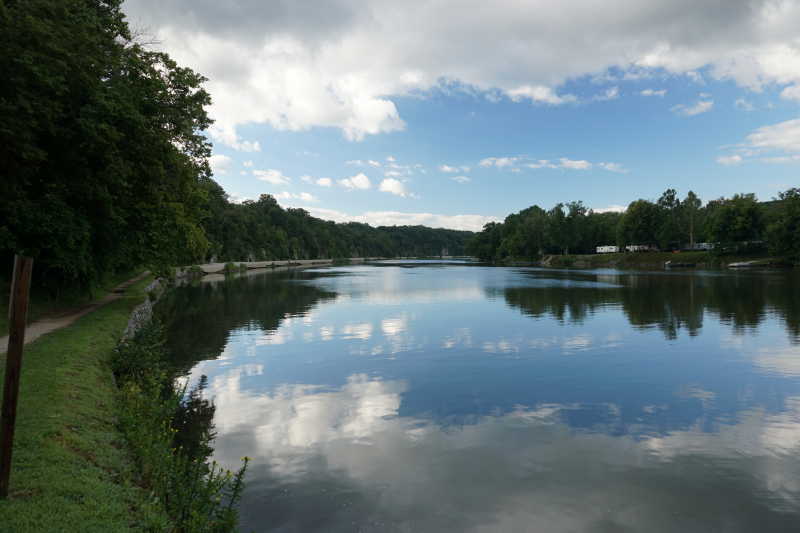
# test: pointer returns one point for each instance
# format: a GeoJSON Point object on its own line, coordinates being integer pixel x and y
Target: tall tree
{"type": "Point", "coordinates": [690, 208]}
{"type": "Point", "coordinates": [669, 233]}
{"type": "Point", "coordinates": [640, 223]}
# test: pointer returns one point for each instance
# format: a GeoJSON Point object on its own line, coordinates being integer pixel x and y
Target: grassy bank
{"type": "Point", "coordinates": [44, 305]}
{"type": "Point", "coordinates": [649, 260]}
{"type": "Point", "coordinates": [72, 470]}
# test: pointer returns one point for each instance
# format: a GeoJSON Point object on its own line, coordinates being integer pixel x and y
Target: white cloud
{"type": "Point", "coordinates": [782, 160]}
{"type": "Point", "coordinates": [612, 93]}
{"type": "Point", "coordinates": [393, 186]}
{"type": "Point", "coordinates": [460, 179]}
{"type": "Point", "coordinates": [499, 162]}
{"type": "Point", "coordinates": [613, 167]}
{"type": "Point", "coordinates": [542, 163]}
{"type": "Point", "coordinates": [226, 134]}
{"type": "Point", "coordinates": [373, 163]}
{"type": "Point", "coordinates": [729, 160]}
{"type": "Point", "coordinates": [783, 136]}
{"type": "Point", "coordinates": [743, 104]}
{"type": "Point", "coordinates": [303, 196]}
{"type": "Point", "coordinates": [696, 77]}
{"type": "Point", "coordinates": [610, 209]}
{"type": "Point", "coordinates": [564, 163]}
{"type": "Point", "coordinates": [306, 178]}
{"type": "Point", "coordinates": [452, 170]}
{"type": "Point", "coordinates": [776, 143]}
{"type": "Point", "coordinates": [575, 164]}
{"type": "Point", "coordinates": [791, 93]}
{"type": "Point", "coordinates": [275, 177]}
{"type": "Point", "coordinates": [247, 164]}
{"type": "Point", "coordinates": [391, 159]}
{"type": "Point", "coordinates": [539, 94]}
{"type": "Point", "coordinates": [653, 92]}
{"type": "Point", "coordinates": [701, 106]}
{"type": "Point", "coordinates": [359, 181]}
{"type": "Point", "coordinates": [237, 198]}
{"type": "Point", "coordinates": [341, 64]}
{"type": "Point", "coordinates": [395, 218]}
{"type": "Point", "coordinates": [324, 182]}
{"type": "Point", "coordinates": [355, 162]}
{"type": "Point", "coordinates": [307, 197]}
{"type": "Point", "coordinates": [220, 164]}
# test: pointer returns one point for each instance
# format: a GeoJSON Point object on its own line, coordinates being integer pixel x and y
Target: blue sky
{"type": "Point", "coordinates": [376, 114]}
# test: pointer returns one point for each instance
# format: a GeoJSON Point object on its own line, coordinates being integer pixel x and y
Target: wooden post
{"type": "Point", "coordinates": [17, 314]}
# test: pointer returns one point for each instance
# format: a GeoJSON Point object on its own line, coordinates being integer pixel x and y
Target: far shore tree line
{"type": "Point", "coordinates": [739, 223]}
{"type": "Point", "coordinates": [262, 230]}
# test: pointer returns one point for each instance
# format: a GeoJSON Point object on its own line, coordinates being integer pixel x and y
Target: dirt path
{"type": "Point", "coordinates": [46, 325]}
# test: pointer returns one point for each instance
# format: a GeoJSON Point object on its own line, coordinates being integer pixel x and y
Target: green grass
{"type": "Point", "coordinates": [43, 305]}
{"type": "Point", "coordinates": [71, 469]}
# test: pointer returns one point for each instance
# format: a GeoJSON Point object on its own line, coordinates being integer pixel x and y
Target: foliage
{"type": "Point", "coordinates": [170, 433]}
{"type": "Point", "coordinates": [783, 234]}
{"type": "Point", "coordinates": [101, 149]}
{"type": "Point", "coordinates": [640, 224]}
{"type": "Point", "coordinates": [669, 223]}
{"type": "Point", "coordinates": [262, 230]}
{"type": "Point", "coordinates": [735, 220]}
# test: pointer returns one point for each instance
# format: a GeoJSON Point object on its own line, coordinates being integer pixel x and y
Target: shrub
{"type": "Point", "coordinates": [170, 433]}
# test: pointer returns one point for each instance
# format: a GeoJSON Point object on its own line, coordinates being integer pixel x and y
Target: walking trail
{"type": "Point", "coordinates": [46, 325]}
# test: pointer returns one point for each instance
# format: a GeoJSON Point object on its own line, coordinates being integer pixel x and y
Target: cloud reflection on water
{"type": "Point", "coordinates": [525, 470]}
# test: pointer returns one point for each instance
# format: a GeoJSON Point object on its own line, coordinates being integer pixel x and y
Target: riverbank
{"type": "Point", "coordinates": [652, 260]}
{"type": "Point", "coordinates": [107, 439]}
{"type": "Point", "coordinates": [72, 470]}
{"type": "Point", "coordinates": [238, 266]}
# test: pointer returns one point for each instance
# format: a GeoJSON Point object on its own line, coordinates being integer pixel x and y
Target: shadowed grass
{"type": "Point", "coordinates": [71, 469]}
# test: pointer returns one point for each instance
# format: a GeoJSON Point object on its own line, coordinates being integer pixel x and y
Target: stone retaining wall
{"type": "Point", "coordinates": [142, 314]}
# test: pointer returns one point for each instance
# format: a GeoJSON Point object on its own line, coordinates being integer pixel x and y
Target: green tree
{"type": "Point", "coordinates": [736, 220]}
{"type": "Point", "coordinates": [783, 234]}
{"type": "Point", "coordinates": [640, 224]}
{"type": "Point", "coordinates": [690, 210]}
{"type": "Point", "coordinates": [669, 231]}
{"type": "Point", "coordinates": [557, 230]}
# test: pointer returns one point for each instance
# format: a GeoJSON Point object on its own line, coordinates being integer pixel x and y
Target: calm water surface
{"type": "Point", "coordinates": [453, 397]}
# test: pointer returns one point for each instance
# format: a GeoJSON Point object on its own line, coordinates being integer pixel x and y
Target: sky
{"type": "Point", "coordinates": [458, 113]}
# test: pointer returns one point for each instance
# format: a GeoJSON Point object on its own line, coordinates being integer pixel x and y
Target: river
{"type": "Point", "coordinates": [444, 396]}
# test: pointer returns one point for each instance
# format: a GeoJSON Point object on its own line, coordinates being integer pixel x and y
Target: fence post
{"type": "Point", "coordinates": [17, 314]}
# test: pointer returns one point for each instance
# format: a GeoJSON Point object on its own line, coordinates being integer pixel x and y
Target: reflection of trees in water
{"type": "Point", "coordinates": [200, 317]}
{"type": "Point", "coordinates": [670, 302]}
{"type": "Point", "coordinates": [566, 304]}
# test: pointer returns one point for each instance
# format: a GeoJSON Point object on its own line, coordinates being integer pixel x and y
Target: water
{"type": "Point", "coordinates": [453, 397]}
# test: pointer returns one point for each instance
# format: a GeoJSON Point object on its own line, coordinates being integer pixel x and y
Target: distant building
{"type": "Point", "coordinates": [641, 248]}
{"type": "Point", "coordinates": [607, 249]}
{"type": "Point", "coordinates": [702, 246]}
